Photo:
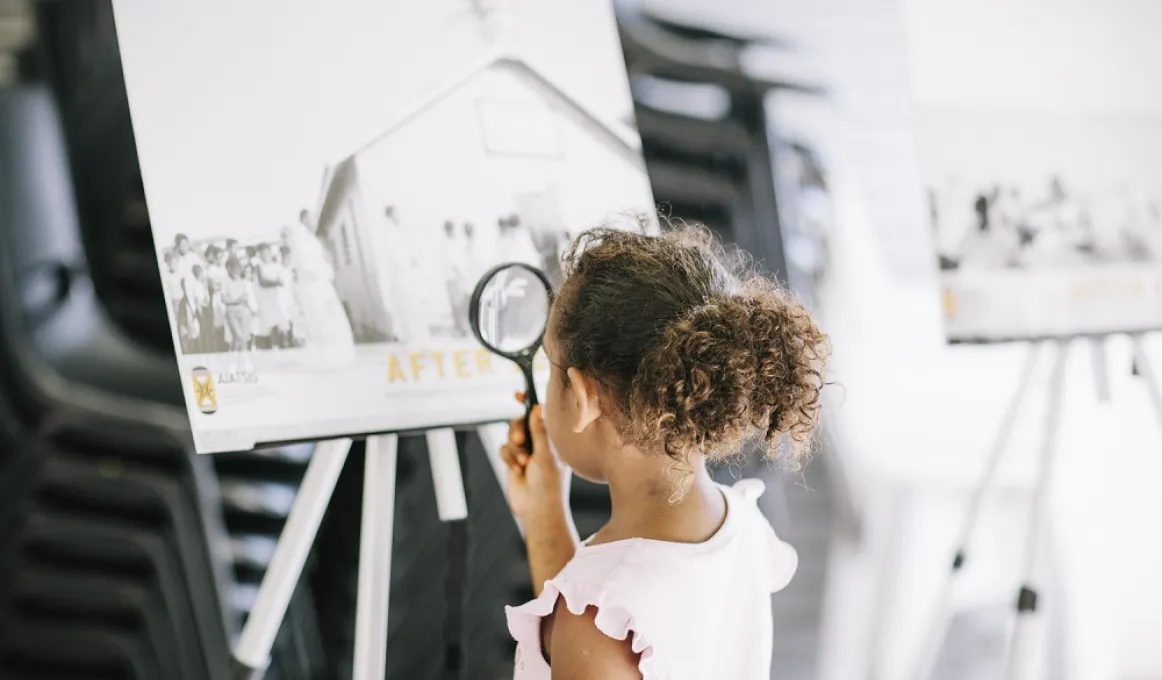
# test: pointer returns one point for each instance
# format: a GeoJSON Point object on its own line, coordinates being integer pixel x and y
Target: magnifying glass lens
{"type": "Point", "coordinates": [513, 310]}
{"type": "Point", "coordinates": [509, 312]}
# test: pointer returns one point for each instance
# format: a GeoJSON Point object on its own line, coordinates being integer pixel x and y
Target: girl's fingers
{"type": "Point", "coordinates": [521, 396]}
{"type": "Point", "coordinates": [516, 432]}
{"type": "Point", "coordinates": [511, 463]}
{"type": "Point", "coordinates": [506, 454]}
{"type": "Point", "coordinates": [513, 457]}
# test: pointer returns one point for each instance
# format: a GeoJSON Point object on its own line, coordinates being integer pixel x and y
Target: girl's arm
{"type": "Point", "coordinates": [578, 650]}
{"type": "Point", "coordinates": [538, 493]}
{"type": "Point", "coordinates": [551, 541]}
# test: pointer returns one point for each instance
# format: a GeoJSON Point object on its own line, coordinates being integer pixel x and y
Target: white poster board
{"type": "Point", "coordinates": [328, 181]}
{"type": "Point", "coordinates": [1040, 143]}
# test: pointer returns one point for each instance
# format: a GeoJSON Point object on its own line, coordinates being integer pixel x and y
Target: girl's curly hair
{"type": "Point", "coordinates": [696, 351]}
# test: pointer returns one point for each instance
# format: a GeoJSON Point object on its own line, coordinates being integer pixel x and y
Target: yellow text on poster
{"type": "Point", "coordinates": [437, 366]}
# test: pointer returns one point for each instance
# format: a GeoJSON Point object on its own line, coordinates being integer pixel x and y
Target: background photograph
{"type": "Point", "coordinates": [1034, 192]}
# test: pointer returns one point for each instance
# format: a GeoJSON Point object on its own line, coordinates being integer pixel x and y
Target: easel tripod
{"type": "Point", "coordinates": [252, 652]}
{"type": "Point", "coordinates": [1023, 654]}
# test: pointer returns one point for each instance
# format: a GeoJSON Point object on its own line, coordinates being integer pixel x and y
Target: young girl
{"type": "Point", "coordinates": [665, 355]}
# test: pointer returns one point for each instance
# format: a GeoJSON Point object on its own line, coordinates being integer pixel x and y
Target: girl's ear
{"type": "Point", "coordinates": [586, 403]}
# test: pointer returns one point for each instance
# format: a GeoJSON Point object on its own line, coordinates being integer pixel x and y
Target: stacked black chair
{"type": "Point", "coordinates": [77, 54]}
{"type": "Point", "coordinates": [116, 561]}
{"type": "Point", "coordinates": [705, 128]}
{"type": "Point", "coordinates": [108, 564]}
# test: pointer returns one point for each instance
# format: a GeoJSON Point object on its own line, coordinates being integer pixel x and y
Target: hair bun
{"type": "Point", "coordinates": [736, 367]}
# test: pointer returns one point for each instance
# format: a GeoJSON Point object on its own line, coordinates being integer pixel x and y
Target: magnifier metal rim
{"type": "Point", "coordinates": [474, 309]}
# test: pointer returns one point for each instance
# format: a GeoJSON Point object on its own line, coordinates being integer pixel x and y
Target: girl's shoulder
{"type": "Point", "coordinates": [639, 565]}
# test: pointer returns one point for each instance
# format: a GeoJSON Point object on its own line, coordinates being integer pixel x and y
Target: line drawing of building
{"type": "Point", "coordinates": [500, 164]}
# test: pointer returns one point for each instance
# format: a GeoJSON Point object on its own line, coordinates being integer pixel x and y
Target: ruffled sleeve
{"type": "Point", "coordinates": [782, 559]}
{"type": "Point", "coordinates": [750, 489]}
{"type": "Point", "coordinates": [613, 619]}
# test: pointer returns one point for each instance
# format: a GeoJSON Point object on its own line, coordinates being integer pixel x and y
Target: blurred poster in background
{"type": "Point", "coordinates": [1041, 153]}
{"type": "Point", "coordinates": [328, 181]}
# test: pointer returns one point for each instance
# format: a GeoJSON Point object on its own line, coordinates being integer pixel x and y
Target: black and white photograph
{"type": "Point", "coordinates": [1040, 177]}
{"type": "Point", "coordinates": [1044, 225]}
{"type": "Point", "coordinates": [323, 208]}
{"type": "Point", "coordinates": [1060, 194]}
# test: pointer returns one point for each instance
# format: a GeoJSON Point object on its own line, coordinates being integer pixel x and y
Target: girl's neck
{"type": "Point", "coordinates": [642, 507]}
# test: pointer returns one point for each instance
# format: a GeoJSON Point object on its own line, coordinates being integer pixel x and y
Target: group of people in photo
{"type": "Point", "coordinates": [1055, 226]}
{"type": "Point", "coordinates": [268, 294]}
{"type": "Point", "coordinates": [279, 292]}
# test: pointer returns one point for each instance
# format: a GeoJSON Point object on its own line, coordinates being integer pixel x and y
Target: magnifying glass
{"type": "Point", "coordinates": [508, 312]}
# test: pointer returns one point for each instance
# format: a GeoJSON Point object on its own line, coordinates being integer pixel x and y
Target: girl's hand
{"type": "Point", "coordinates": [539, 482]}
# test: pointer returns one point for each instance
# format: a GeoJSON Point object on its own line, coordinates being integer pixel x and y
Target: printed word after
{"type": "Point", "coordinates": [452, 365]}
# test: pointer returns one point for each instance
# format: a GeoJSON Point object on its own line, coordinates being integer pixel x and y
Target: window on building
{"type": "Point", "coordinates": [511, 128]}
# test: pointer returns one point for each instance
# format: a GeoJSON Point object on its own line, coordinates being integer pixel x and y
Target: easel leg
{"type": "Point", "coordinates": [1146, 371]}
{"type": "Point", "coordinates": [252, 653]}
{"type": "Point", "coordinates": [1101, 368]}
{"type": "Point", "coordinates": [1025, 650]}
{"type": "Point", "coordinates": [941, 615]}
{"type": "Point", "coordinates": [451, 501]}
{"type": "Point", "coordinates": [375, 544]}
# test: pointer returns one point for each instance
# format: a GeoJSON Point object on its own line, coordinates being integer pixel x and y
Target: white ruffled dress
{"type": "Point", "coordinates": [695, 611]}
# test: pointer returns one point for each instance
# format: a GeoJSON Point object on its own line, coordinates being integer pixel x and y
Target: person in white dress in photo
{"type": "Point", "coordinates": [515, 243]}
{"type": "Point", "coordinates": [326, 326]}
{"type": "Point", "coordinates": [456, 269]}
{"type": "Point", "coordinates": [275, 303]}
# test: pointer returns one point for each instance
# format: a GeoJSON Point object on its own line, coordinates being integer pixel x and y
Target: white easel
{"type": "Point", "coordinates": [252, 653]}
{"type": "Point", "coordinates": [1025, 645]}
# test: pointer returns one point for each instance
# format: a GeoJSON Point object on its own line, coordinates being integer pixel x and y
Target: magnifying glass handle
{"type": "Point", "coordinates": [530, 402]}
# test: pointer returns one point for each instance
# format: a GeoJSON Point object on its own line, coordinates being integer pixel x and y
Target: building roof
{"type": "Point", "coordinates": [618, 133]}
